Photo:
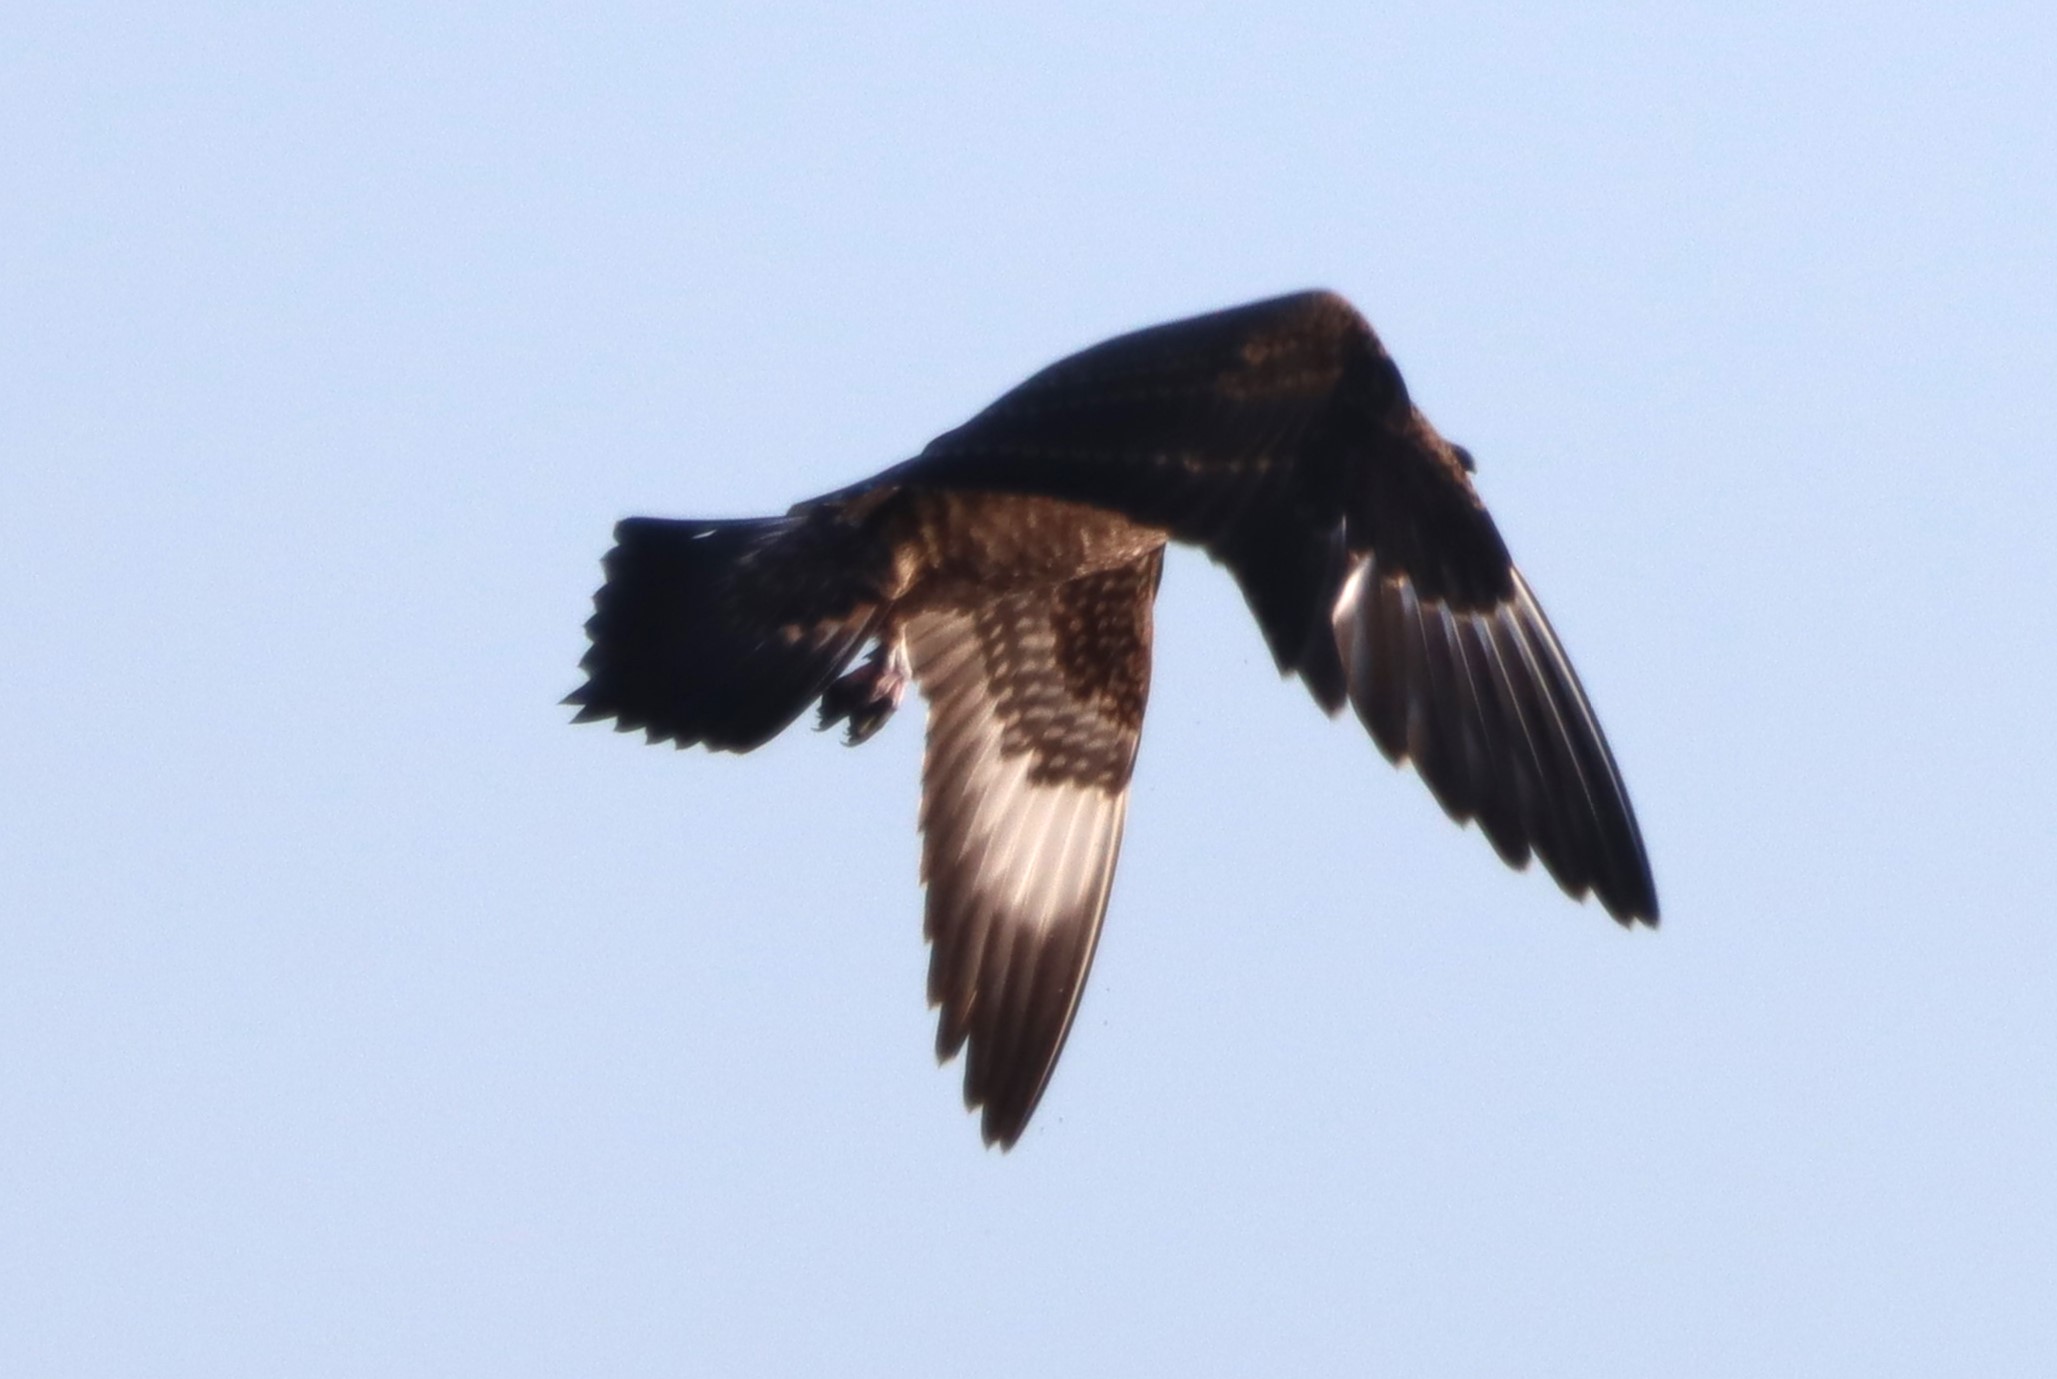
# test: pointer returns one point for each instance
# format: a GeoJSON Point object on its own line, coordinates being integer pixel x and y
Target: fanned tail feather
{"type": "Point", "coordinates": [720, 632]}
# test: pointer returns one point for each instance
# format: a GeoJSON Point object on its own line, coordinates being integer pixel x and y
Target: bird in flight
{"type": "Point", "coordinates": [1009, 569]}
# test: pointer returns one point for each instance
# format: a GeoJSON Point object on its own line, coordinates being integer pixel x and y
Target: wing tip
{"type": "Point", "coordinates": [1001, 1132]}
{"type": "Point", "coordinates": [1638, 908]}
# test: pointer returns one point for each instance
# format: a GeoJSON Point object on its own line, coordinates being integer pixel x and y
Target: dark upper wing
{"type": "Point", "coordinates": [1486, 703]}
{"type": "Point", "coordinates": [1280, 437]}
{"type": "Point", "coordinates": [1251, 432]}
{"type": "Point", "coordinates": [1035, 703]}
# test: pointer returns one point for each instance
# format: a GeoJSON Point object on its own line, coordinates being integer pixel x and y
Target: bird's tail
{"type": "Point", "coordinates": [724, 632]}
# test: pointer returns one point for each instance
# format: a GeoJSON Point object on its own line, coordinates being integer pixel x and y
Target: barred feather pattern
{"type": "Point", "coordinates": [1035, 704]}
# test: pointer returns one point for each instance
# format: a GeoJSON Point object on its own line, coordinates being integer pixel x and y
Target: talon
{"type": "Point", "coordinates": [866, 697]}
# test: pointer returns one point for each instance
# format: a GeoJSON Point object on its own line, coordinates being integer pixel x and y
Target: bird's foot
{"type": "Point", "coordinates": [866, 697]}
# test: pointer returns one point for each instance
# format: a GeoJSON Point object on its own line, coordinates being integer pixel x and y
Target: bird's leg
{"type": "Point", "coordinates": [867, 696]}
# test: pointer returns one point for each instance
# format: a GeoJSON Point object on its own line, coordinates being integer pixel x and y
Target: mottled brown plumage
{"type": "Point", "coordinates": [1009, 570]}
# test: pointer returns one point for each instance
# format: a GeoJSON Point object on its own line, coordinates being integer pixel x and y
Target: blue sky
{"type": "Point", "coordinates": [359, 1016]}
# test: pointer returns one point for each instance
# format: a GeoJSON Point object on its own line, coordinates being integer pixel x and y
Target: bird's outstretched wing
{"type": "Point", "coordinates": [1280, 437]}
{"type": "Point", "coordinates": [1035, 703]}
{"type": "Point", "coordinates": [1485, 703]}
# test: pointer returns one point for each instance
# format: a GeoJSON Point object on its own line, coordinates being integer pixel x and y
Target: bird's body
{"type": "Point", "coordinates": [1009, 570]}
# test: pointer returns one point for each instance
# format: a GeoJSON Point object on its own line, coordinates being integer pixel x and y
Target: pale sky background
{"type": "Point", "coordinates": [358, 1016]}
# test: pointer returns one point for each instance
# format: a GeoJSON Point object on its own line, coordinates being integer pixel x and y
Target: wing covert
{"type": "Point", "coordinates": [1268, 434]}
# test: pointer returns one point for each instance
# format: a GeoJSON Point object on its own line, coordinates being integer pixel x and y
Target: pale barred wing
{"type": "Point", "coordinates": [1485, 703]}
{"type": "Point", "coordinates": [1035, 704]}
